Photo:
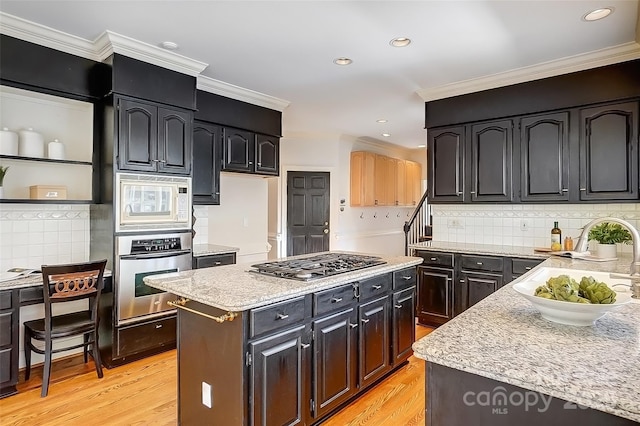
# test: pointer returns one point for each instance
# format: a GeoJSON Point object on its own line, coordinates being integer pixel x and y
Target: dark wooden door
{"type": "Point", "coordinates": [544, 155]}
{"type": "Point", "coordinates": [446, 164]}
{"type": "Point", "coordinates": [403, 325]}
{"type": "Point", "coordinates": [137, 136]}
{"type": "Point", "coordinates": [435, 295]}
{"type": "Point", "coordinates": [207, 156]}
{"type": "Point", "coordinates": [175, 135]}
{"type": "Point", "coordinates": [238, 146]}
{"type": "Point", "coordinates": [374, 340]}
{"type": "Point", "coordinates": [491, 157]}
{"type": "Point", "coordinates": [307, 212]}
{"type": "Point", "coordinates": [609, 152]}
{"type": "Point", "coordinates": [476, 286]}
{"type": "Point", "coordinates": [335, 363]}
{"type": "Point", "coordinates": [267, 155]}
{"type": "Point", "coordinates": [280, 379]}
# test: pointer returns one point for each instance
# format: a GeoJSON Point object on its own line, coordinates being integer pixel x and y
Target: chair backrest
{"type": "Point", "coordinates": [64, 283]}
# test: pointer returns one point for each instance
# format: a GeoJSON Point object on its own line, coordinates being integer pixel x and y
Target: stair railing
{"type": "Point", "coordinates": [415, 226]}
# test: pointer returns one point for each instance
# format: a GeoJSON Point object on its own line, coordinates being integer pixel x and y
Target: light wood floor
{"type": "Point", "coordinates": [144, 393]}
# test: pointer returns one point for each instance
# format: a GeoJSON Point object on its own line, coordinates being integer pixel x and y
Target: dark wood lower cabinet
{"type": "Point", "coordinates": [435, 295]}
{"type": "Point", "coordinates": [374, 340]}
{"type": "Point", "coordinates": [279, 378]}
{"type": "Point", "coordinates": [476, 286]}
{"type": "Point", "coordinates": [403, 326]}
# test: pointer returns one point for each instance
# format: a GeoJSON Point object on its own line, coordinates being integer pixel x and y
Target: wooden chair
{"type": "Point", "coordinates": [65, 283]}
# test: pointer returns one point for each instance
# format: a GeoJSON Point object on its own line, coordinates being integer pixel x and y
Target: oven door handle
{"type": "Point", "coordinates": [154, 255]}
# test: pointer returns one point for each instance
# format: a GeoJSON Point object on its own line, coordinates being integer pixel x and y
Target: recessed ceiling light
{"type": "Point", "coordinates": [169, 45]}
{"type": "Point", "coordinates": [382, 120]}
{"type": "Point", "coordinates": [342, 61]}
{"type": "Point", "coordinates": [386, 135]}
{"type": "Point", "coordinates": [400, 42]}
{"type": "Point", "coordinates": [594, 15]}
{"type": "Point", "coordinates": [422, 146]}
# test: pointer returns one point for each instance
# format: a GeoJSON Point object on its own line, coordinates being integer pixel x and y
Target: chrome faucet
{"type": "Point", "coordinates": [634, 272]}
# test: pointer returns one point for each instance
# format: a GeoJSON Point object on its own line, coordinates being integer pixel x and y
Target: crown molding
{"type": "Point", "coordinates": [241, 94]}
{"type": "Point", "coordinates": [109, 42]}
{"type": "Point", "coordinates": [598, 58]}
{"type": "Point", "coordinates": [45, 36]}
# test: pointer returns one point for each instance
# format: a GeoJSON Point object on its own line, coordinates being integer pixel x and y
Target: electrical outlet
{"type": "Point", "coordinates": [454, 223]}
{"type": "Point", "coordinates": [524, 225]}
{"type": "Point", "coordinates": [206, 395]}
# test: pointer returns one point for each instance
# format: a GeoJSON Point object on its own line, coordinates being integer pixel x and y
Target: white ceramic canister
{"type": "Point", "coordinates": [31, 143]}
{"type": "Point", "coordinates": [55, 150]}
{"type": "Point", "coordinates": [8, 142]}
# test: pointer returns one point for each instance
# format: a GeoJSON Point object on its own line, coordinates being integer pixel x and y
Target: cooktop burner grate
{"type": "Point", "coordinates": [319, 266]}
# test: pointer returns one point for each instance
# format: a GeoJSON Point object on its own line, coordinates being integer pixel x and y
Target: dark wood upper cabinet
{"type": "Point", "coordinates": [491, 156]}
{"type": "Point", "coordinates": [238, 150]}
{"type": "Point", "coordinates": [544, 157]}
{"type": "Point", "coordinates": [267, 155]}
{"type": "Point", "coordinates": [153, 138]}
{"type": "Point", "coordinates": [609, 152]}
{"type": "Point", "coordinates": [446, 164]}
{"type": "Point", "coordinates": [207, 157]}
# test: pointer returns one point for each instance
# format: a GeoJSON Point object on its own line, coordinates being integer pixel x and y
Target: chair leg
{"type": "Point", "coordinates": [27, 354]}
{"type": "Point", "coordinates": [96, 354]}
{"type": "Point", "coordinates": [46, 374]}
{"type": "Point", "coordinates": [85, 348]}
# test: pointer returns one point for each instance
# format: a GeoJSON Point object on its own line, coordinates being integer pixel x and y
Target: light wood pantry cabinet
{"type": "Point", "coordinates": [378, 180]}
{"type": "Point", "coordinates": [54, 117]}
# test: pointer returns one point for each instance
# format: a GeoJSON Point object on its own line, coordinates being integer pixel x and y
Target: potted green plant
{"type": "Point", "coordinates": [608, 235]}
{"type": "Point", "coordinates": [3, 172]}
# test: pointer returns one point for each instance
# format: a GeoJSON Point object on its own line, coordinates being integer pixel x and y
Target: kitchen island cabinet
{"type": "Point", "coordinates": [285, 351]}
{"type": "Point", "coordinates": [500, 363]}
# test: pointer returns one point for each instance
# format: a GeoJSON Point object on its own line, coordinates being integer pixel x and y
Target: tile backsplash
{"type": "Point", "coordinates": [32, 235]}
{"type": "Point", "coordinates": [201, 224]}
{"type": "Point", "coordinates": [522, 225]}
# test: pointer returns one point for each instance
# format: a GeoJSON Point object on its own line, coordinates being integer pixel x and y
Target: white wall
{"type": "Point", "coordinates": [503, 224]}
{"type": "Point", "coordinates": [376, 230]}
{"type": "Point", "coordinates": [241, 218]}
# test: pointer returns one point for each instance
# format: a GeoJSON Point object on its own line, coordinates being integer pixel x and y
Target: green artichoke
{"type": "Point", "coordinates": [596, 292]}
{"type": "Point", "coordinates": [543, 291]}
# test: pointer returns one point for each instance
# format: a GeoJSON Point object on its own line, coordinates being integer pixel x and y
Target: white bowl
{"type": "Point", "coordinates": [569, 313]}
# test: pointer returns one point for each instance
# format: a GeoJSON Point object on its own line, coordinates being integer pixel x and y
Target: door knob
{"type": "Point", "coordinates": [326, 231]}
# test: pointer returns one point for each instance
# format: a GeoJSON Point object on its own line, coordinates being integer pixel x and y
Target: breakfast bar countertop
{"type": "Point", "coordinates": [234, 288]}
{"type": "Point", "coordinates": [504, 337]}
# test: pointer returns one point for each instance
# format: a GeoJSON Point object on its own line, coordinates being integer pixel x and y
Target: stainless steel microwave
{"type": "Point", "coordinates": [152, 202]}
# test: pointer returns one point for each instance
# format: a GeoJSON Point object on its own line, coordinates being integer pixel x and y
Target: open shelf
{"type": "Point", "coordinates": [47, 160]}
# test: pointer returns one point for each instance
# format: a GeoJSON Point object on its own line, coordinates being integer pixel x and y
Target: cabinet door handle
{"type": "Point", "coordinates": [406, 278]}
{"type": "Point", "coordinates": [479, 263]}
{"type": "Point", "coordinates": [449, 279]}
{"type": "Point", "coordinates": [459, 193]}
{"type": "Point", "coordinates": [433, 259]}
{"type": "Point", "coordinates": [158, 325]}
{"type": "Point", "coordinates": [282, 316]}
{"type": "Point", "coordinates": [336, 299]}
{"type": "Point", "coordinates": [163, 161]}
{"type": "Point", "coordinates": [250, 162]}
{"type": "Point", "coordinates": [472, 192]}
{"type": "Point", "coordinates": [259, 164]}
{"type": "Point", "coordinates": [583, 189]}
{"type": "Point", "coordinates": [398, 306]}
{"type": "Point", "coordinates": [155, 161]}
{"type": "Point", "coordinates": [305, 345]}
{"type": "Point", "coordinates": [365, 320]}
{"type": "Point", "coordinates": [462, 281]}
{"type": "Point", "coordinates": [377, 287]}
{"type": "Point", "coordinates": [353, 325]}
{"type": "Point", "coordinates": [565, 190]}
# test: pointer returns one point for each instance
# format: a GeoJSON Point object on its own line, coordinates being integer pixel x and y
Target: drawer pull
{"type": "Point", "coordinates": [377, 287]}
{"type": "Point", "coordinates": [353, 325]}
{"type": "Point", "coordinates": [305, 345]}
{"type": "Point", "coordinates": [527, 268]}
{"type": "Point", "coordinates": [336, 299]}
{"type": "Point", "coordinates": [479, 263]}
{"type": "Point", "coordinates": [365, 320]}
{"type": "Point", "coordinates": [406, 278]}
{"type": "Point", "coordinates": [158, 325]}
{"type": "Point", "coordinates": [282, 316]}
{"type": "Point", "coordinates": [218, 263]}
{"type": "Point", "coordinates": [461, 281]}
{"type": "Point", "coordinates": [433, 259]}
{"type": "Point", "coordinates": [398, 306]}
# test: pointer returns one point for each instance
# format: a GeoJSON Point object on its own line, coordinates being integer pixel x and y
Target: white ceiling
{"type": "Point", "coordinates": [286, 49]}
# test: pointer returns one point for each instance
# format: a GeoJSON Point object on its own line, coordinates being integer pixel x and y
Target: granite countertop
{"type": "Point", "coordinates": [503, 337]}
{"type": "Point", "coordinates": [234, 288]}
{"type": "Point", "coordinates": [472, 248]}
{"type": "Point", "coordinates": [31, 280]}
{"type": "Point", "coordinates": [209, 249]}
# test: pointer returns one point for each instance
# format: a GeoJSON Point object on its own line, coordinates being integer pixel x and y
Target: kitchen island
{"type": "Point", "coordinates": [256, 349]}
{"type": "Point", "coordinates": [501, 363]}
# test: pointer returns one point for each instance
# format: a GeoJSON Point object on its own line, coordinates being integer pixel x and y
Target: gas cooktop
{"type": "Point", "coordinates": [319, 266]}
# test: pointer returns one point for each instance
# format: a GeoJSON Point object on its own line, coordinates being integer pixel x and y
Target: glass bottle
{"type": "Point", "coordinates": [556, 237]}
